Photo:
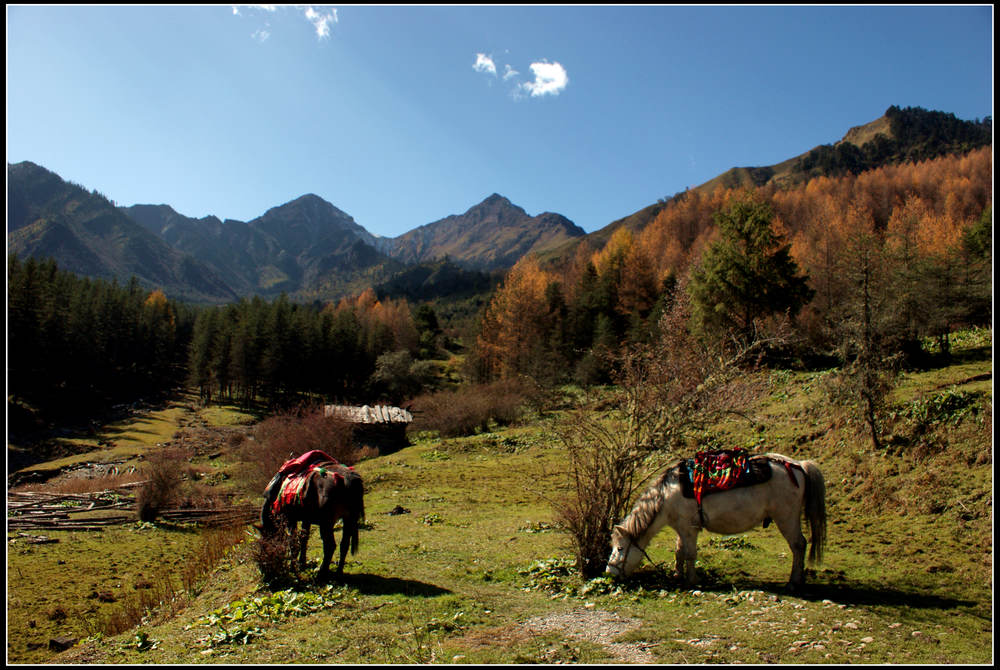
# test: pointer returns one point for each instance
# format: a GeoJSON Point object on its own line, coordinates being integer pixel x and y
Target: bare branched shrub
{"type": "Point", "coordinates": [293, 433]}
{"type": "Point", "coordinates": [273, 553]}
{"type": "Point", "coordinates": [471, 409]}
{"type": "Point", "coordinates": [605, 467]}
{"type": "Point", "coordinates": [163, 472]}
{"type": "Point", "coordinates": [667, 392]}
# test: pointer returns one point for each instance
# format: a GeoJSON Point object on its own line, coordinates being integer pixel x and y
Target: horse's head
{"type": "Point", "coordinates": [625, 553]}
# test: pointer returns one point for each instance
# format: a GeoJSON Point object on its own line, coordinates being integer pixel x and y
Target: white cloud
{"type": "Point", "coordinates": [266, 8]}
{"type": "Point", "coordinates": [550, 79]}
{"type": "Point", "coordinates": [321, 21]}
{"type": "Point", "coordinates": [484, 64]}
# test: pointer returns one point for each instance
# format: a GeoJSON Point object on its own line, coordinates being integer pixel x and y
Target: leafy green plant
{"type": "Point", "coordinates": [947, 408]}
{"type": "Point", "coordinates": [234, 636]}
{"type": "Point", "coordinates": [540, 527]}
{"type": "Point", "coordinates": [275, 607]}
{"type": "Point", "coordinates": [142, 642]}
{"type": "Point", "coordinates": [732, 543]}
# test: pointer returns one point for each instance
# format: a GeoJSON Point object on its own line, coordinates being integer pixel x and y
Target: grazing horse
{"type": "Point", "coordinates": [315, 489]}
{"type": "Point", "coordinates": [792, 489]}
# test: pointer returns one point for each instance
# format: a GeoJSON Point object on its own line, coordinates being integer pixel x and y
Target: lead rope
{"type": "Point", "coordinates": [658, 566]}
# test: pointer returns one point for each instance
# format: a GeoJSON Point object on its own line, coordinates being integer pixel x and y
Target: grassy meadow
{"type": "Point", "coordinates": [461, 561]}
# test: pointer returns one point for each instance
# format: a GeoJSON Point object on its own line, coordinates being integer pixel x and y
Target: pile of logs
{"type": "Point", "coordinates": [37, 510]}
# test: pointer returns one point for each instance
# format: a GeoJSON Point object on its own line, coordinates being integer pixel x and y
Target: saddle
{"type": "Point", "coordinates": [720, 470]}
{"type": "Point", "coordinates": [724, 469]}
{"type": "Point", "coordinates": [289, 484]}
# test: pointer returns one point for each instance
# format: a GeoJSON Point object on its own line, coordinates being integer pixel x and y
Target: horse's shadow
{"type": "Point", "coordinates": [873, 594]}
{"type": "Point", "coordinates": [378, 585]}
{"type": "Point", "coordinates": [844, 592]}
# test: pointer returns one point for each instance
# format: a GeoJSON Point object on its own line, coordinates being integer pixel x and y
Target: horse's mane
{"type": "Point", "coordinates": [649, 503]}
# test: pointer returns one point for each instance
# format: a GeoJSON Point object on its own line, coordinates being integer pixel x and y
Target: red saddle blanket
{"type": "Point", "coordinates": [724, 469]}
{"type": "Point", "coordinates": [721, 470]}
{"type": "Point", "coordinates": [295, 473]}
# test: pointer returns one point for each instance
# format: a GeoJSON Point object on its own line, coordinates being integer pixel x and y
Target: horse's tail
{"type": "Point", "coordinates": [357, 502]}
{"type": "Point", "coordinates": [815, 510]}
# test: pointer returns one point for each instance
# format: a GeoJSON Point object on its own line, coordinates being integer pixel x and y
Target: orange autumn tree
{"type": "Point", "coordinates": [386, 325]}
{"type": "Point", "coordinates": [921, 215]}
{"type": "Point", "coordinates": [515, 327]}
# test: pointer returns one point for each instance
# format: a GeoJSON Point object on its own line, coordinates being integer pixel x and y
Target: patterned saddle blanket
{"type": "Point", "coordinates": [293, 476]}
{"type": "Point", "coordinates": [715, 471]}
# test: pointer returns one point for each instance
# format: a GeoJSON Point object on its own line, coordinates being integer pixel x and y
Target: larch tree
{"type": "Point", "coordinates": [512, 337]}
{"type": "Point", "coordinates": [745, 275]}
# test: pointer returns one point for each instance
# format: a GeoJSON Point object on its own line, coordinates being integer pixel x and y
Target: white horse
{"type": "Point", "coordinates": [795, 488]}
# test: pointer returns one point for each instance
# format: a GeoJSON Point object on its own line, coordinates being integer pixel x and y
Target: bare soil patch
{"type": "Point", "coordinates": [599, 627]}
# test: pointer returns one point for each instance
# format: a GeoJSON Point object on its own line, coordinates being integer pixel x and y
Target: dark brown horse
{"type": "Point", "coordinates": [320, 492]}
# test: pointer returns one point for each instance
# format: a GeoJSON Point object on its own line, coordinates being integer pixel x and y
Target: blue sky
{"type": "Point", "coordinates": [403, 115]}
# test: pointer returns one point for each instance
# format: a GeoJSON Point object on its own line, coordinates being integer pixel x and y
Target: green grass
{"type": "Point", "coordinates": [68, 588]}
{"type": "Point", "coordinates": [907, 576]}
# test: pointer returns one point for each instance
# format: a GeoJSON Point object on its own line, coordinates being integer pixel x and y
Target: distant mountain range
{"type": "Point", "coordinates": [89, 236]}
{"type": "Point", "coordinates": [300, 244]}
{"type": "Point", "coordinates": [307, 248]}
{"type": "Point", "coordinates": [311, 250]}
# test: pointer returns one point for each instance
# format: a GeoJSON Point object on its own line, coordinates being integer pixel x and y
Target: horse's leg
{"type": "Point", "coordinates": [687, 553]}
{"type": "Point", "coordinates": [329, 544]}
{"type": "Point", "coordinates": [791, 528]}
{"type": "Point", "coordinates": [303, 541]}
{"type": "Point", "coordinates": [350, 528]}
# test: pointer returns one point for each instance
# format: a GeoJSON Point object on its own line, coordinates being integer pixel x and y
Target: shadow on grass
{"type": "Point", "coordinates": [109, 432]}
{"type": "Point", "coordinates": [871, 594]}
{"type": "Point", "coordinates": [844, 592]}
{"type": "Point", "coordinates": [377, 585]}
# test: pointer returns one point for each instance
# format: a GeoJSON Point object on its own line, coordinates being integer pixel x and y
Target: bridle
{"type": "Point", "coordinates": [633, 543]}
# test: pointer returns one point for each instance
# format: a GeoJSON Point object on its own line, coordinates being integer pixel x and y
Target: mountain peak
{"type": "Point", "coordinates": [496, 205]}
{"type": "Point", "coordinates": [491, 235]}
{"type": "Point", "coordinates": [309, 198]}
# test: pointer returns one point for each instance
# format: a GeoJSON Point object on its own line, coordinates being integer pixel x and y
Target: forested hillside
{"type": "Point", "coordinates": [900, 135]}
{"type": "Point", "coordinates": [901, 252]}
{"type": "Point", "coordinates": [79, 345]}
{"type": "Point", "coordinates": [280, 352]}
{"type": "Point", "coordinates": [923, 229]}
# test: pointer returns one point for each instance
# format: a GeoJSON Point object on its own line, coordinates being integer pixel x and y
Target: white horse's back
{"type": "Point", "coordinates": [739, 509]}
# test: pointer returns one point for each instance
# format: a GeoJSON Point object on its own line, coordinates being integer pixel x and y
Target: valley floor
{"type": "Point", "coordinates": [475, 570]}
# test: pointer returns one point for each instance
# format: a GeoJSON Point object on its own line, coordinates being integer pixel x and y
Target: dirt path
{"type": "Point", "coordinates": [599, 627]}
